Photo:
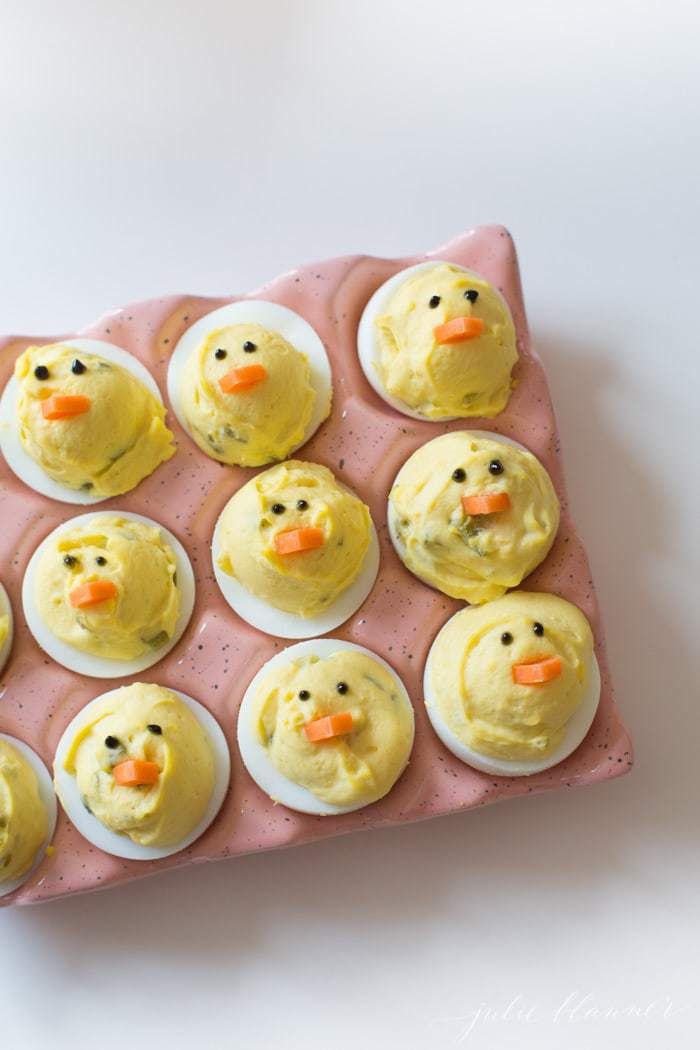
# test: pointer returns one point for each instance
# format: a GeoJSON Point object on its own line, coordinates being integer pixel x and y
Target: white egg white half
{"type": "Point", "coordinates": [284, 624]}
{"type": "Point", "coordinates": [87, 663]}
{"type": "Point", "coordinates": [391, 513]}
{"type": "Point", "coordinates": [290, 325]}
{"type": "Point", "coordinates": [369, 347]}
{"type": "Point", "coordinates": [121, 845]}
{"type": "Point", "coordinates": [21, 463]}
{"type": "Point", "coordinates": [6, 610]}
{"type": "Point", "coordinates": [48, 798]}
{"type": "Point", "coordinates": [255, 758]}
{"type": "Point", "coordinates": [576, 728]}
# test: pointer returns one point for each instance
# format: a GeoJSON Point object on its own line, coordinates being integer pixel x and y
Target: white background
{"type": "Point", "coordinates": [150, 147]}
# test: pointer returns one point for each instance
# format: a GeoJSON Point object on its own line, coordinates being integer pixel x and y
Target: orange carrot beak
{"type": "Point", "coordinates": [486, 503]}
{"type": "Point", "coordinates": [242, 378]}
{"type": "Point", "coordinates": [87, 594]}
{"type": "Point", "coordinates": [136, 772]}
{"type": "Point", "coordinates": [458, 329]}
{"type": "Point", "coordinates": [328, 727]}
{"type": "Point", "coordinates": [64, 406]}
{"type": "Point", "coordinates": [296, 540]}
{"type": "Point", "coordinates": [538, 671]}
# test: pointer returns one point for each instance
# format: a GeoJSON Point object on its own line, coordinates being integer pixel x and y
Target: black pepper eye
{"type": "Point", "coordinates": [278, 508]}
{"type": "Point", "coordinates": [459, 474]}
{"type": "Point", "coordinates": [249, 347]}
{"type": "Point", "coordinates": [100, 560]}
{"type": "Point", "coordinates": [41, 372]}
{"type": "Point", "coordinates": [302, 504]}
{"type": "Point", "coordinates": [434, 301]}
{"type": "Point", "coordinates": [506, 637]}
{"type": "Point", "coordinates": [153, 728]}
{"type": "Point", "coordinates": [495, 467]}
{"type": "Point", "coordinates": [342, 687]}
{"type": "Point", "coordinates": [77, 368]}
{"type": "Point", "coordinates": [304, 694]}
{"type": "Point", "coordinates": [538, 629]}
{"type": "Point", "coordinates": [220, 354]}
{"type": "Point", "coordinates": [112, 742]}
{"type": "Point", "coordinates": [70, 561]}
{"type": "Point", "coordinates": [471, 294]}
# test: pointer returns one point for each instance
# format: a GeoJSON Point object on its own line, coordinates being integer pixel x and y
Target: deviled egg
{"type": "Point", "coordinates": [437, 341]}
{"type": "Point", "coordinates": [250, 382]}
{"type": "Point", "coordinates": [142, 771]}
{"type": "Point", "coordinates": [82, 421]}
{"type": "Point", "coordinates": [326, 727]}
{"type": "Point", "coordinates": [472, 514]}
{"type": "Point", "coordinates": [295, 552]}
{"type": "Point", "coordinates": [27, 812]}
{"type": "Point", "coordinates": [6, 627]}
{"type": "Point", "coordinates": [513, 686]}
{"type": "Point", "coordinates": [108, 595]}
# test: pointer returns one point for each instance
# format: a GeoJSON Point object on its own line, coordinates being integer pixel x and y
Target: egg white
{"type": "Point", "coordinates": [99, 666]}
{"type": "Point", "coordinates": [576, 728]}
{"type": "Point", "coordinates": [369, 347]}
{"type": "Point", "coordinates": [391, 514]}
{"type": "Point", "coordinates": [6, 610]}
{"type": "Point", "coordinates": [48, 798]}
{"type": "Point", "coordinates": [21, 463]}
{"type": "Point", "coordinates": [290, 325]}
{"type": "Point", "coordinates": [255, 758]}
{"type": "Point", "coordinates": [112, 842]}
{"type": "Point", "coordinates": [283, 624]}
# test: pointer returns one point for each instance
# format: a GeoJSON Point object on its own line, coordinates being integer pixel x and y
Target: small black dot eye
{"type": "Point", "coordinates": [249, 347]}
{"type": "Point", "coordinates": [471, 294]}
{"type": "Point", "coordinates": [459, 474]}
{"type": "Point", "coordinates": [304, 694]}
{"type": "Point", "coordinates": [77, 368]}
{"type": "Point", "coordinates": [155, 729]}
{"type": "Point", "coordinates": [70, 561]}
{"type": "Point", "coordinates": [302, 504]}
{"type": "Point", "coordinates": [506, 637]}
{"type": "Point", "coordinates": [495, 467]}
{"type": "Point", "coordinates": [434, 301]}
{"type": "Point", "coordinates": [112, 742]}
{"type": "Point", "coordinates": [538, 629]}
{"type": "Point", "coordinates": [278, 508]}
{"type": "Point", "coordinates": [220, 354]}
{"type": "Point", "coordinates": [101, 560]}
{"type": "Point", "coordinates": [41, 372]}
{"type": "Point", "coordinates": [342, 688]}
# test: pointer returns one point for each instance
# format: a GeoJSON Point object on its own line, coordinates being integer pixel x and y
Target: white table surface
{"type": "Point", "coordinates": [205, 147]}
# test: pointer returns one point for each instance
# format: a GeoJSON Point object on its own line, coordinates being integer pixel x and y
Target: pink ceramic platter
{"type": "Point", "coordinates": [364, 442]}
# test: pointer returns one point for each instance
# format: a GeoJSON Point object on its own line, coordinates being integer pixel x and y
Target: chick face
{"type": "Point", "coordinates": [144, 765]}
{"type": "Point", "coordinates": [294, 538]}
{"type": "Point", "coordinates": [108, 587]}
{"type": "Point", "coordinates": [23, 819]}
{"type": "Point", "coordinates": [88, 422]}
{"type": "Point", "coordinates": [507, 677]}
{"type": "Point", "coordinates": [472, 516]}
{"type": "Point", "coordinates": [447, 344]}
{"type": "Point", "coordinates": [247, 395]}
{"type": "Point", "coordinates": [336, 726]}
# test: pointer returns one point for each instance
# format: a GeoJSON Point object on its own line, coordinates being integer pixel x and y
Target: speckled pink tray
{"type": "Point", "coordinates": [364, 442]}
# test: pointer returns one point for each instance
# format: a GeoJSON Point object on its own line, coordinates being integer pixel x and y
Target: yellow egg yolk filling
{"type": "Point", "coordinates": [438, 379]}
{"type": "Point", "coordinates": [118, 437]}
{"type": "Point", "coordinates": [353, 768]}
